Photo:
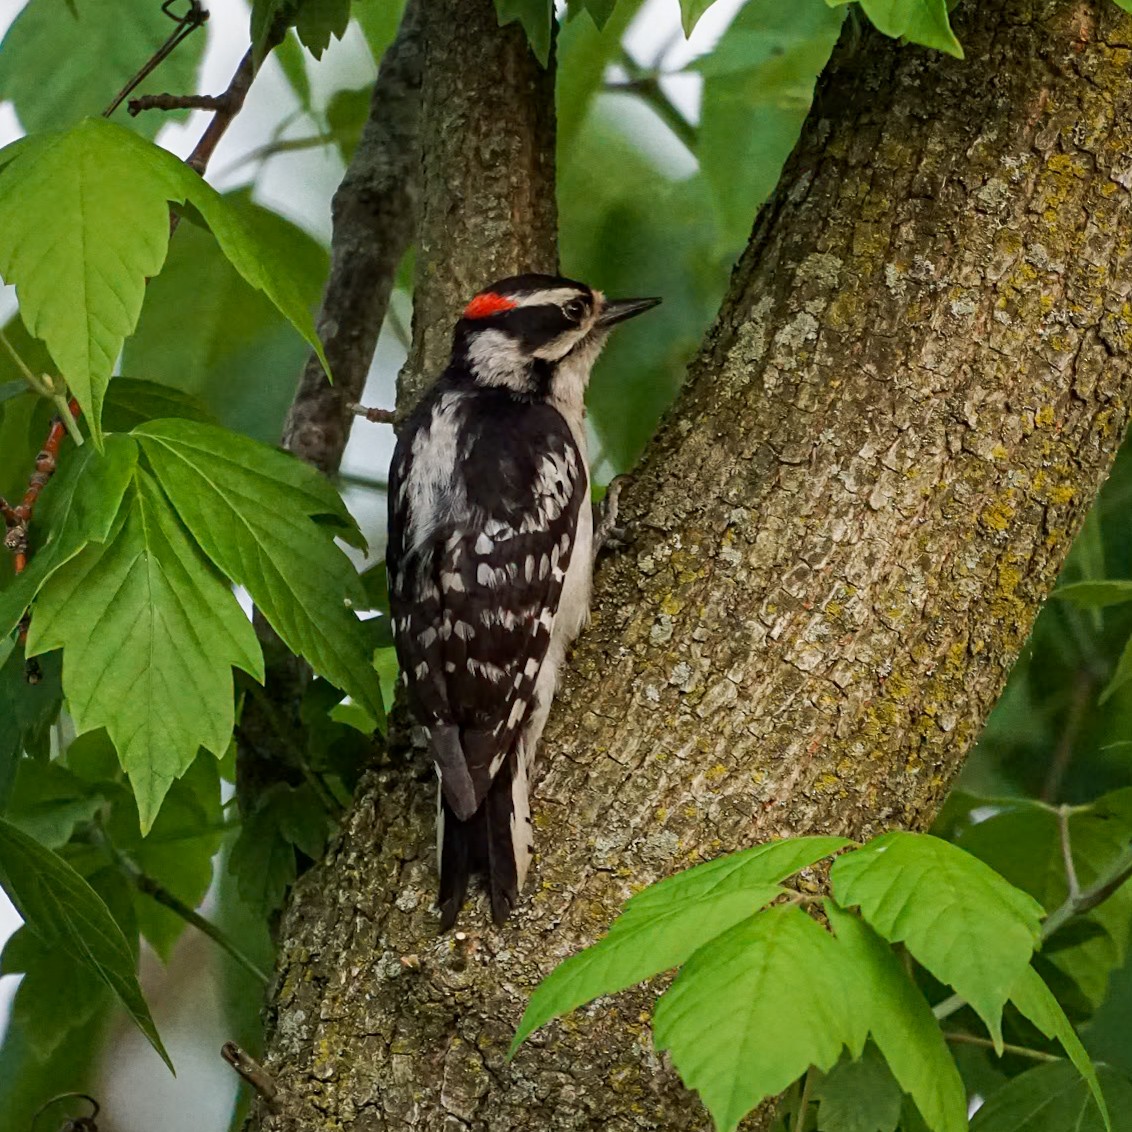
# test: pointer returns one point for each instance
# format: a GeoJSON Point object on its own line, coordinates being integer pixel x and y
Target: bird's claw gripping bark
{"type": "Point", "coordinates": [607, 534]}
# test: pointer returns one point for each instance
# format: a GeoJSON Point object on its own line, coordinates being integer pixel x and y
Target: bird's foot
{"type": "Point", "coordinates": [607, 534]}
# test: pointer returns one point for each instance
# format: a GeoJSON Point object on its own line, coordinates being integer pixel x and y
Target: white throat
{"type": "Point", "coordinates": [571, 376]}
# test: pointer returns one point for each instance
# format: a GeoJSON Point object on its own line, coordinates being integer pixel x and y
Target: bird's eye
{"type": "Point", "coordinates": [574, 310]}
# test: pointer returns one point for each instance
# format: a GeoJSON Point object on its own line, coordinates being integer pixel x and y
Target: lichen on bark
{"type": "Point", "coordinates": [837, 545]}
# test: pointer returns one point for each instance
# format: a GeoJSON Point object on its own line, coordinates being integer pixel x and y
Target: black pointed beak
{"type": "Point", "coordinates": [617, 310]}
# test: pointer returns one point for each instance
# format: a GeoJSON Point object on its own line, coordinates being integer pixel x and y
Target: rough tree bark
{"type": "Point", "coordinates": [488, 206]}
{"type": "Point", "coordinates": [838, 543]}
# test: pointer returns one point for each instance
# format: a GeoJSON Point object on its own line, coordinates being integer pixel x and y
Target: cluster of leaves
{"type": "Point", "coordinates": [766, 993]}
{"type": "Point", "coordinates": [110, 838]}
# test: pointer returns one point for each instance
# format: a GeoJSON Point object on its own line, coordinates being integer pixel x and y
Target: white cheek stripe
{"type": "Point", "coordinates": [496, 359]}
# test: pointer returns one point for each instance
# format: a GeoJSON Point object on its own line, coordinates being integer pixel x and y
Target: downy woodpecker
{"type": "Point", "coordinates": [490, 557]}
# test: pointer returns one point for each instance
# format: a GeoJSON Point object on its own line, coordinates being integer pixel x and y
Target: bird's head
{"type": "Point", "coordinates": [538, 335]}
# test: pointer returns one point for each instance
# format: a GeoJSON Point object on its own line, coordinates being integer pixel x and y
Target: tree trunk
{"type": "Point", "coordinates": [838, 543]}
{"type": "Point", "coordinates": [489, 208]}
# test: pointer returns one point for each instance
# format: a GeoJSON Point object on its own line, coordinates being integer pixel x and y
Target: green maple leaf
{"type": "Point", "coordinates": [84, 222]}
{"type": "Point", "coordinates": [741, 1024]}
{"type": "Point", "coordinates": [251, 509]}
{"type": "Point", "coordinates": [150, 632]}
{"type": "Point", "coordinates": [966, 924]}
{"type": "Point", "coordinates": [665, 924]}
{"type": "Point", "coordinates": [65, 912]}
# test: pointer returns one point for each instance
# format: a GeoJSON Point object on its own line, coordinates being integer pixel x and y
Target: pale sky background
{"type": "Point", "coordinates": [138, 1094]}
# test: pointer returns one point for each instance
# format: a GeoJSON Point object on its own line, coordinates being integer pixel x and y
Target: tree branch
{"type": "Point", "coordinates": [196, 16]}
{"type": "Point", "coordinates": [177, 102]}
{"type": "Point", "coordinates": [18, 518]}
{"type": "Point", "coordinates": [374, 212]}
{"type": "Point", "coordinates": [255, 1075]}
{"type": "Point", "coordinates": [229, 104]}
{"type": "Point", "coordinates": [374, 416]}
{"type": "Point", "coordinates": [488, 206]}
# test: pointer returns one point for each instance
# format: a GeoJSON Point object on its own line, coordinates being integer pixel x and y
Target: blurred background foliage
{"type": "Point", "coordinates": [667, 147]}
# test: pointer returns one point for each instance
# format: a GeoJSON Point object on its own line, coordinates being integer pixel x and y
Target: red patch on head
{"type": "Point", "coordinates": [488, 303]}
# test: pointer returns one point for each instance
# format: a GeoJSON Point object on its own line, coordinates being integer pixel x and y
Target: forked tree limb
{"type": "Point", "coordinates": [374, 213]}
{"type": "Point", "coordinates": [838, 542]}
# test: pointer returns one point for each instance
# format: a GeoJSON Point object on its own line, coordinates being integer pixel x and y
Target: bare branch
{"type": "Point", "coordinates": [195, 17]}
{"type": "Point", "coordinates": [374, 416]}
{"type": "Point", "coordinates": [254, 1074]}
{"type": "Point", "coordinates": [233, 101]}
{"type": "Point", "coordinates": [18, 517]}
{"type": "Point", "coordinates": [374, 215]}
{"type": "Point", "coordinates": [1073, 885]}
{"type": "Point", "coordinates": [177, 102]}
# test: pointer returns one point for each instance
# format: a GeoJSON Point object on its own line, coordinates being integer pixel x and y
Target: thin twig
{"type": "Point", "coordinates": [17, 518]}
{"type": "Point", "coordinates": [959, 1038]}
{"type": "Point", "coordinates": [176, 102]}
{"type": "Point", "coordinates": [1114, 877]}
{"type": "Point", "coordinates": [674, 37]}
{"type": "Point", "coordinates": [68, 408]}
{"type": "Point", "coordinates": [646, 86]}
{"type": "Point", "coordinates": [21, 365]}
{"type": "Point", "coordinates": [273, 149]}
{"type": "Point", "coordinates": [353, 479]}
{"type": "Point", "coordinates": [82, 1124]}
{"type": "Point", "coordinates": [1072, 883]}
{"type": "Point", "coordinates": [143, 882]}
{"type": "Point", "coordinates": [375, 416]}
{"type": "Point", "coordinates": [375, 213]}
{"type": "Point", "coordinates": [255, 1075]}
{"type": "Point", "coordinates": [194, 18]}
{"type": "Point", "coordinates": [45, 387]}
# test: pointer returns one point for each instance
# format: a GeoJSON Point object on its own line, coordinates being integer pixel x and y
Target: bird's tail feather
{"type": "Point", "coordinates": [495, 840]}
{"type": "Point", "coordinates": [456, 842]}
{"type": "Point", "coordinates": [452, 769]}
